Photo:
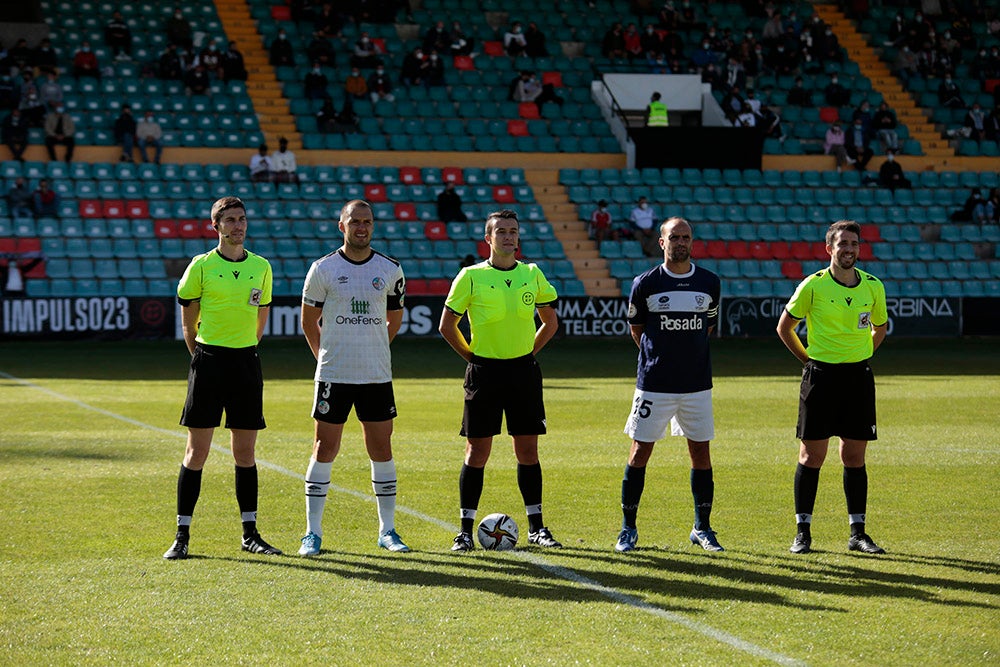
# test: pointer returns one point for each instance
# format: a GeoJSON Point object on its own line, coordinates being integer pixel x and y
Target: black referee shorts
{"type": "Point", "coordinates": [837, 400]}
{"type": "Point", "coordinates": [498, 387]}
{"type": "Point", "coordinates": [224, 378]}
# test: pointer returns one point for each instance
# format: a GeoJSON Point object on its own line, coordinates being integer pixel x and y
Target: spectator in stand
{"type": "Point", "coordinates": [434, 71]}
{"type": "Point", "coordinates": [211, 59]}
{"type": "Point", "coordinates": [884, 125]}
{"type": "Point", "coordinates": [652, 42]}
{"type": "Point", "coordinates": [149, 133]}
{"type": "Point", "coordinates": [704, 56]}
{"type": "Point", "coordinates": [897, 31]}
{"type": "Point", "coordinates": [413, 68]}
{"type": "Point", "coordinates": [437, 38]}
{"type": "Point", "coordinates": [756, 64]}
{"type": "Point", "coordinates": [769, 123]}
{"type": "Point", "coordinates": [799, 95]}
{"type": "Point", "coordinates": [366, 53]}
{"type": "Point", "coordinates": [746, 117]}
{"type": "Point", "coordinates": [667, 18]}
{"type": "Point", "coordinates": [918, 32]}
{"type": "Point", "coordinates": [950, 95]}
{"type": "Point", "coordinates": [711, 76]}
{"type": "Point", "coordinates": [975, 122]}
{"type": "Point", "coordinates": [326, 117]}
{"type": "Point", "coordinates": [781, 61]}
{"type": "Point", "coordinates": [773, 30]}
{"type": "Point", "coordinates": [835, 94]}
{"type": "Point", "coordinates": [993, 207]}
{"type": "Point", "coordinates": [50, 91]}
{"type": "Point", "coordinates": [689, 20]}
{"type": "Point", "coordinates": [20, 56]}
{"type": "Point", "coordinates": [633, 43]}
{"type": "Point", "coordinates": [118, 36]}
{"type": "Point", "coordinates": [992, 124]}
{"type": "Point", "coordinates": [527, 88]}
{"type": "Point", "coordinates": [170, 66]}
{"type": "Point", "coordinates": [85, 62]}
{"type": "Point", "coordinates": [643, 225]}
{"type": "Point", "coordinates": [735, 74]}
{"type": "Point", "coordinates": [864, 112]}
{"type": "Point", "coordinates": [449, 205]}
{"type": "Point", "coordinates": [857, 145]}
{"type": "Point", "coordinates": [380, 86]}
{"type": "Point", "coordinates": [347, 120]}
{"type": "Point", "coordinates": [45, 57]}
{"type": "Point", "coordinates": [281, 52]}
{"type": "Point", "coordinates": [125, 128]}
{"type": "Point", "coordinates": [32, 108]}
{"type": "Point", "coordinates": [9, 94]}
{"type": "Point", "coordinates": [834, 144]}
{"type": "Point", "coordinates": [15, 134]}
{"type": "Point", "coordinates": [60, 129]}
{"type": "Point", "coordinates": [260, 166]}
{"type": "Point", "coordinates": [233, 67]}
{"type": "Point", "coordinates": [462, 44]}
{"type": "Point", "coordinates": [535, 46]}
{"type": "Point", "coordinates": [890, 175]}
{"type": "Point", "coordinates": [732, 104]}
{"type": "Point", "coordinates": [178, 30]}
{"type": "Point", "coordinates": [514, 41]}
{"type": "Point", "coordinates": [329, 22]}
{"type": "Point", "coordinates": [355, 85]}
{"type": "Point", "coordinates": [906, 66]}
{"type": "Point", "coordinates": [974, 209]}
{"type": "Point", "coordinates": [316, 83]}
{"type": "Point", "coordinates": [320, 50]}
{"type": "Point", "coordinates": [827, 47]}
{"type": "Point", "coordinates": [602, 224]}
{"type": "Point", "coordinates": [197, 81]}
{"type": "Point", "coordinates": [284, 165]}
{"type": "Point", "coordinates": [45, 200]}
{"type": "Point", "coordinates": [613, 44]}
{"type": "Point", "coordinates": [20, 200]}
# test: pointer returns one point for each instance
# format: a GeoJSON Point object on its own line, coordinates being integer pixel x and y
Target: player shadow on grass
{"type": "Point", "coordinates": [798, 574]}
{"type": "Point", "coordinates": [498, 576]}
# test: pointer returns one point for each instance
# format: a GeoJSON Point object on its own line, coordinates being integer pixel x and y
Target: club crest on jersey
{"type": "Point", "coordinates": [255, 295]}
{"type": "Point", "coordinates": [699, 299]}
{"type": "Point", "coordinates": [378, 283]}
{"type": "Point", "coordinates": [322, 407]}
{"type": "Point", "coordinates": [864, 320]}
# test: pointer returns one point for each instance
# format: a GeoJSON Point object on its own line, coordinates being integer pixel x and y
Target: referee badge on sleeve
{"type": "Point", "coordinates": [864, 320]}
{"type": "Point", "coordinates": [255, 295]}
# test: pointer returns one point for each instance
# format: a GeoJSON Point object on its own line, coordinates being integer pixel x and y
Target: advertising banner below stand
{"type": "Point", "coordinates": [92, 317]}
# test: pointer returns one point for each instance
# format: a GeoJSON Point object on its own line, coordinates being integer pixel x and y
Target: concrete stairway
{"type": "Point", "coordinates": [590, 268]}
{"type": "Point", "coordinates": [262, 84]}
{"type": "Point", "coordinates": [884, 82]}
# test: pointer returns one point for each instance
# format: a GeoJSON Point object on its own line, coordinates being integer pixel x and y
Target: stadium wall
{"type": "Point", "coordinates": [121, 318]}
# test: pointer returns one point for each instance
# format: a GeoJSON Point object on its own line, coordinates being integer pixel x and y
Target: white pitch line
{"type": "Point", "coordinates": [557, 570]}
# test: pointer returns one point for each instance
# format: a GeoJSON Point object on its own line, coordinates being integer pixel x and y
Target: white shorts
{"type": "Point", "coordinates": [689, 415]}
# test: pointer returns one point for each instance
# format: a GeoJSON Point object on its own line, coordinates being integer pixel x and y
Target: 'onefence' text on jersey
{"type": "Point", "coordinates": [676, 313]}
{"type": "Point", "coordinates": [354, 337]}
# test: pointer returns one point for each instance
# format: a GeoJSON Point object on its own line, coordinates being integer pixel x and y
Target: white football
{"type": "Point", "coordinates": [497, 532]}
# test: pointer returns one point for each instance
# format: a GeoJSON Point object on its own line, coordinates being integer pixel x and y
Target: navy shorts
{"type": "Point", "coordinates": [837, 400]}
{"type": "Point", "coordinates": [498, 387]}
{"type": "Point", "coordinates": [224, 379]}
{"type": "Point", "coordinates": [371, 402]}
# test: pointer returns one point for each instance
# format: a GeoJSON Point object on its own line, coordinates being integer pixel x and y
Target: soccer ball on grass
{"type": "Point", "coordinates": [497, 532]}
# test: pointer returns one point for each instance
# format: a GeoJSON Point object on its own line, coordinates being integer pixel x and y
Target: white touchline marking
{"type": "Point", "coordinates": [558, 570]}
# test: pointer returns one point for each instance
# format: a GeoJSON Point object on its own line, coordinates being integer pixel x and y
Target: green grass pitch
{"type": "Point", "coordinates": [90, 446]}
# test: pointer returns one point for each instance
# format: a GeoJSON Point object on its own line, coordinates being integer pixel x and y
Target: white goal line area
{"type": "Point", "coordinates": [535, 559]}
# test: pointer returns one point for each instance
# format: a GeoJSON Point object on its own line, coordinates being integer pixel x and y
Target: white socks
{"type": "Point", "coordinates": [384, 486]}
{"type": "Point", "coordinates": [317, 484]}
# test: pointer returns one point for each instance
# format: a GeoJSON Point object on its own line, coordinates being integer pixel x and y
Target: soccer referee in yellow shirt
{"type": "Point", "coordinates": [225, 298]}
{"type": "Point", "coordinates": [501, 297]}
{"type": "Point", "coordinates": [845, 313]}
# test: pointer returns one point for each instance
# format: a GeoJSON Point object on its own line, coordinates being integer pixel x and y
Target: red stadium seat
{"type": "Point", "coordinates": [436, 231]}
{"type": "Point", "coordinates": [30, 244]}
{"type": "Point", "coordinates": [792, 269]}
{"type": "Point", "coordinates": [7, 247]}
{"type": "Point", "coordinates": [166, 229]}
{"type": "Point", "coordinates": [410, 176]}
{"type": "Point", "coordinates": [189, 229]}
{"type": "Point", "coordinates": [405, 212]}
{"type": "Point", "coordinates": [801, 251]}
{"type": "Point", "coordinates": [281, 13]}
{"type": "Point", "coordinates": [866, 253]}
{"type": "Point", "coordinates": [208, 230]}
{"type": "Point", "coordinates": [452, 175]}
{"type": "Point", "coordinates": [503, 194]}
{"type": "Point", "coordinates": [137, 208]}
{"type": "Point", "coordinates": [483, 249]}
{"type": "Point", "coordinates": [37, 271]}
{"type": "Point", "coordinates": [699, 248]}
{"type": "Point", "coordinates": [91, 208]}
{"type": "Point", "coordinates": [819, 251]}
{"type": "Point", "coordinates": [781, 250]}
{"type": "Point", "coordinates": [438, 286]}
{"type": "Point", "coordinates": [829, 114]}
{"type": "Point", "coordinates": [716, 250]}
{"type": "Point", "coordinates": [517, 128]}
{"type": "Point", "coordinates": [375, 192]}
{"type": "Point", "coordinates": [555, 78]}
{"type": "Point", "coordinates": [463, 63]}
{"type": "Point", "coordinates": [760, 250]}
{"type": "Point", "coordinates": [113, 208]}
{"type": "Point", "coordinates": [871, 233]}
{"type": "Point", "coordinates": [528, 110]}
{"type": "Point", "coordinates": [416, 286]}
{"type": "Point", "coordinates": [494, 48]}
{"type": "Point", "coordinates": [738, 249]}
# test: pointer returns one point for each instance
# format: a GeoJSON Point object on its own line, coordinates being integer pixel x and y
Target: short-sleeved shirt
{"type": "Point", "coordinates": [231, 293]}
{"type": "Point", "coordinates": [839, 318]}
{"type": "Point", "coordinates": [501, 305]}
{"type": "Point", "coordinates": [355, 298]}
{"type": "Point", "coordinates": [676, 312]}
